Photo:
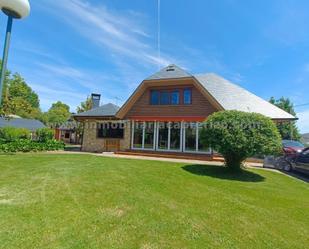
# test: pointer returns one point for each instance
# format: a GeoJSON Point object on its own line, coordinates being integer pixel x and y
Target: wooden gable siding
{"type": "Point", "coordinates": [200, 107]}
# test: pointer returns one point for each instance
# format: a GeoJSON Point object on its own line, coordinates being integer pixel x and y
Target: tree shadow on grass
{"type": "Point", "coordinates": [225, 173]}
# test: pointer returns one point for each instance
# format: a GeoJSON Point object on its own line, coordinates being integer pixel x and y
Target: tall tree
{"type": "Point", "coordinates": [85, 106]}
{"type": "Point", "coordinates": [288, 130]}
{"type": "Point", "coordinates": [19, 88]}
{"type": "Point", "coordinates": [18, 98]}
{"type": "Point", "coordinates": [58, 114]}
{"type": "Point", "coordinates": [5, 101]}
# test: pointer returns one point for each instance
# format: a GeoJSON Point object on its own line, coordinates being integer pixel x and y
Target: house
{"type": "Point", "coordinates": [165, 112]}
{"type": "Point", "coordinates": [67, 132]}
{"type": "Point", "coordinates": [14, 121]}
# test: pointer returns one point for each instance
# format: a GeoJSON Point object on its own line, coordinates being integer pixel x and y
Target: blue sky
{"type": "Point", "coordinates": [68, 49]}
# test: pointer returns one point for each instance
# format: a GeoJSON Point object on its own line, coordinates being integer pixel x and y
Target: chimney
{"type": "Point", "coordinates": [95, 98]}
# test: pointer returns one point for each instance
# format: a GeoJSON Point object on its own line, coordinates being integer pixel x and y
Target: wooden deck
{"type": "Point", "coordinates": [181, 155]}
{"type": "Point", "coordinates": [176, 155]}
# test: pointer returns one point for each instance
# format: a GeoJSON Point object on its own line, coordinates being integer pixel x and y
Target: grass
{"type": "Point", "coordinates": [83, 201]}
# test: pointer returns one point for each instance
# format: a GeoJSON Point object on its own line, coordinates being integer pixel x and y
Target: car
{"type": "Point", "coordinates": [299, 163]}
{"type": "Point", "coordinates": [291, 150]}
{"type": "Point", "coordinates": [291, 147]}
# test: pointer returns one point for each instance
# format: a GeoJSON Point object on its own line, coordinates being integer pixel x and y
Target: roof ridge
{"type": "Point", "coordinates": [169, 72]}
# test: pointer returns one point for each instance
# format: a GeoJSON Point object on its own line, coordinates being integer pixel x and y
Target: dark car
{"type": "Point", "coordinates": [291, 147]}
{"type": "Point", "coordinates": [300, 162]}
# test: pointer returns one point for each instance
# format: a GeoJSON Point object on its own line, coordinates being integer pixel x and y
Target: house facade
{"type": "Point", "coordinates": [166, 112]}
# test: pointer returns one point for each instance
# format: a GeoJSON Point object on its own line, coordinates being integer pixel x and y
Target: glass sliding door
{"type": "Point", "coordinates": [168, 136]}
{"type": "Point", "coordinates": [190, 137]}
{"type": "Point", "coordinates": [143, 135]}
{"type": "Point", "coordinates": [175, 135]}
{"type": "Point", "coordinates": [149, 135]}
{"type": "Point", "coordinates": [192, 141]}
{"type": "Point", "coordinates": [163, 134]}
{"type": "Point", "coordinates": [201, 147]}
{"type": "Point", "coordinates": [138, 128]}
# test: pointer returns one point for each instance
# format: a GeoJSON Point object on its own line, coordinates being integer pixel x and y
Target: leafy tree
{"type": "Point", "coordinates": [58, 114]}
{"type": "Point", "coordinates": [18, 98]}
{"type": "Point", "coordinates": [239, 135]}
{"type": "Point", "coordinates": [5, 101]}
{"type": "Point", "coordinates": [19, 88]}
{"type": "Point", "coordinates": [288, 130]}
{"type": "Point", "coordinates": [85, 106]}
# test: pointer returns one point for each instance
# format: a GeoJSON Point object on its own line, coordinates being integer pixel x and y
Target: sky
{"type": "Point", "coordinates": [67, 50]}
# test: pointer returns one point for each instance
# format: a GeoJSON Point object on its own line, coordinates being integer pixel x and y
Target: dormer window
{"type": "Point", "coordinates": [171, 97]}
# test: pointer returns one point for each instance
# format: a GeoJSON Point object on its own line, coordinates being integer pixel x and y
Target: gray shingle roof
{"type": "Point", "coordinates": [104, 110]}
{"type": "Point", "coordinates": [233, 97]}
{"type": "Point", "coordinates": [170, 72]}
{"type": "Point", "coordinates": [30, 124]}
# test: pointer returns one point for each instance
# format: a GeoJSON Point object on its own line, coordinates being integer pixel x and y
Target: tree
{"type": "Point", "coordinates": [19, 88]}
{"type": "Point", "coordinates": [85, 106]}
{"type": "Point", "coordinates": [18, 98]}
{"type": "Point", "coordinates": [58, 114]}
{"type": "Point", "coordinates": [239, 135]}
{"type": "Point", "coordinates": [5, 101]}
{"type": "Point", "coordinates": [288, 130]}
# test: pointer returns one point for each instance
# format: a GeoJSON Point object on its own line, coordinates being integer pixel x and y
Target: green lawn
{"type": "Point", "coordinates": [83, 201]}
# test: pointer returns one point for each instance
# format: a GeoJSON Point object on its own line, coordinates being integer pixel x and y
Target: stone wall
{"type": "Point", "coordinates": [91, 143]}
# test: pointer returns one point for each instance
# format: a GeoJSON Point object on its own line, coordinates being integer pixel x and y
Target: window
{"type": "Point", "coordinates": [67, 135]}
{"type": "Point", "coordinates": [149, 135]}
{"type": "Point", "coordinates": [192, 141]}
{"type": "Point", "coordinates": [163, 136]}
{"type": "Point", "coordinates": [201, 147]}
{"type": "Point", "coordinates": [110, 130]}
{"type": "Point", "coordinates": [187, 96]}
{"type": "Point", "coordinates": [138, 135]}
{"type": "Point", "coordinates": [175, 97]}
{"type": "Point", "coordinates": [154, 99]}
{"type": "Point", "coordinates": [190, 137]}
{"type": "Point", "coordinates": [143, 136]}
{"type": "Point", "coordinates": [164, 98]}
{"type": "Point", "coordinates": [175, 134]}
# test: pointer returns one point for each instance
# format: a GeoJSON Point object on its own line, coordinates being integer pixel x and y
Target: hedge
{"type": "Point", "coordinates": [10, 134]}
{"type": "Point", "coordinates": [27, 145]}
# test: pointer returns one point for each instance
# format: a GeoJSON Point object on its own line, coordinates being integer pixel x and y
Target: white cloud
{"type": "Point", "coordinates": [303, 122]}
{"type": "Point", "coordinates": [113, 31]}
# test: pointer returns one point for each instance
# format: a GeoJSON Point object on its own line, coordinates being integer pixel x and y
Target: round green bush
{"type": "Point", "coordinates": [238, 135]}
{"type": "Point", "coordinates": [44, 134]}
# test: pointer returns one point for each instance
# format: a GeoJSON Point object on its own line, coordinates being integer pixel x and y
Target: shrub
{"type": "Point", "coordinates": [26, 145]}
{"type": "Point", "coordinates": [10, 134]}
{"type": "Point", "coordinates": [239, 135]}
{"type": "Point", "coordinates": [44, 134]}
